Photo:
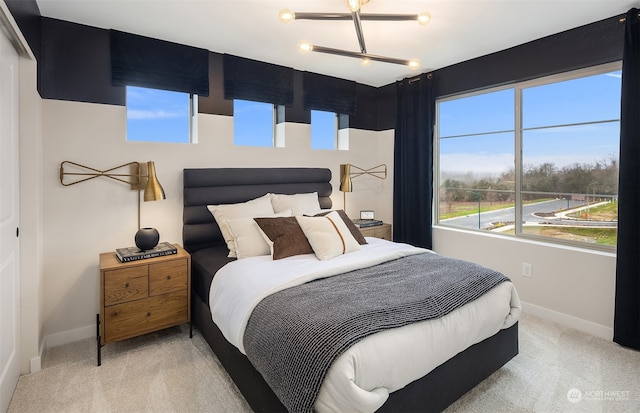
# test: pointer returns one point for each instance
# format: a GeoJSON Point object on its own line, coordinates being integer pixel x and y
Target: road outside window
{"type": "Point", "coordinates": [539, 159]}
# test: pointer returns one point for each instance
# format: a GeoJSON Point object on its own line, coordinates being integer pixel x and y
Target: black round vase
{"type": "Point", "coordinates": [147, 238]}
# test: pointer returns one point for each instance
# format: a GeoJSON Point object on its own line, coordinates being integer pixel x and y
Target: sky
{"type": "Point", "coordinates": [163, 116]}
{"type": "Point", "coordinates": [157, 115]}
{"type": "Point", "coordinates": [574, 102]}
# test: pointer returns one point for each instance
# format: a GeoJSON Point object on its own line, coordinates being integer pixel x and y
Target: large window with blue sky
{"type": "Point", "coordinates": [155, 115]}
{"type": "Point", "coordinates": [538, 159]}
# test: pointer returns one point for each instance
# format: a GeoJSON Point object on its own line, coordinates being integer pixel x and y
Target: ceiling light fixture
{"type": "Point", "coordinates": [354, 6]}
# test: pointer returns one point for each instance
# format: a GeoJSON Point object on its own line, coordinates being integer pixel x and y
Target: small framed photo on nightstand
{"type": "Point", "coordinates": [367, 214]}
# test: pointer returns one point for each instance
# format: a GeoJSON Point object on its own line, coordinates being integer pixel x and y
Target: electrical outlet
{"type": "Point", "coordinates": [527, 270]}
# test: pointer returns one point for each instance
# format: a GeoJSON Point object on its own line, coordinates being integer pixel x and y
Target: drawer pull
{"type": "Point", "coordinates": [168, 277]}
{"type": "Point", "coordinates": [126, 285]}
{"type": "Point", "coordinates": [148, 314]}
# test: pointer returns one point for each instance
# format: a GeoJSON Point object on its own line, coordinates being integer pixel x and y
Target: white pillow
{"type": "Point", "coordinates": [247, 236]}
{"type": "Point", "coordinates": [299, 204]}
{"type": "Point", "coordinates": [259, 207]}
{"type": "Point", "coordinates": [328, 235]}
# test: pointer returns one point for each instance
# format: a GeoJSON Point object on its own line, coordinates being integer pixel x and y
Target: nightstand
{"type": "Point", "coordinates": [139, 297]}
{"type": "Point", "coordinates": [379, 231]}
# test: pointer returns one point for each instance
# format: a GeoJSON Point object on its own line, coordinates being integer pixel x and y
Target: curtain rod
{"type": "Point", "coordinates": [417, 78]}
{"type": "Point", "coordinates": [623, 19]}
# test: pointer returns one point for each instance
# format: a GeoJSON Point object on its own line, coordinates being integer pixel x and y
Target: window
{"type": "Point", "coordinates": [258, 124]}
{"type": "Point", "coordinates": [329, 130]}
{"type": "Point", "coordinates": [155, 115]}
{"type": "Point", "coordinates": [539, 159]}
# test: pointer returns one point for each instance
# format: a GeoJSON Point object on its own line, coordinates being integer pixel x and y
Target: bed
{"type": "Point", "coordinates": [433, 391]}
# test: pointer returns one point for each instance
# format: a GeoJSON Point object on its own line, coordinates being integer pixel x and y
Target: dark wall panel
{"type": "Point", "coordinates": [585, 46]}
{"type": "Point", "coordinates": [296, 113]}
{"type": "Point", "coordinates": [27, 15]}
{"type": "Point", "coordinates": [590, 45]}
{"type": "Point", "coordinates": [386, 107]}
{"type": "Point", "coordinates": [366, 115]}
{"type": "Point", "coordinates": [215, 103]}
{"type": "Point", "coordinates": [75, 64]}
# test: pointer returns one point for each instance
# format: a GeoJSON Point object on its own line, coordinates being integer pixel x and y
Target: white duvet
{"type": "Point", "coordinates": [361, 379]}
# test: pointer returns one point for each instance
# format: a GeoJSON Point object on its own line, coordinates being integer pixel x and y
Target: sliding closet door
{"type": "Point", "coordinates": [9, 245]}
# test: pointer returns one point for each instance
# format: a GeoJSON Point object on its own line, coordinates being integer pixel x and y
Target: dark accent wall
{"type": "Point", "coordinates": [590, 45]}
{"type": "Point", "coordinates": [74, 64]}
{"type": "Point", "coordinates": [27, 14]}
{"type": "Point", "coordinates": [585, 46]}
{"type": "Point", "coordinates": [386, 107]}
{"type": "Point", "coordinates": [215, 103]}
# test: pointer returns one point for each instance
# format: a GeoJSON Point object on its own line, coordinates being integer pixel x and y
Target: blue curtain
{"type": "Point", "coordinates": [626, 328]}
{"type": "Point", "coordinates": [413, 161]}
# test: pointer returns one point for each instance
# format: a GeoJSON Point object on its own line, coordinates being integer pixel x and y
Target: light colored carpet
{"type": "Point", "coordinates": [168, 372]}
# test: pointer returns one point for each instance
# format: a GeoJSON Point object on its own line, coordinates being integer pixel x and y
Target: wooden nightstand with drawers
{"type": "Point", "coordinates": [379, 231]}
{"type": "Point", "coordinates": [143, 296]}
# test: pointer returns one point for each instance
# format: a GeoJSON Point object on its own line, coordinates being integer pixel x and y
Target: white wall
{"type": "Point", "coordinates": [572, 286]}
{"type": "Point", "coordinates": [100, 215]}
{"type": "Point", "coordinates": [31, 220]}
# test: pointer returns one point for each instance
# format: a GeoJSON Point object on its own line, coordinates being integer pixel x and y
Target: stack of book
{"type": "Point", "coordinates": [363, 223]}
{"type": "Point", "coordinates": [135, 253]}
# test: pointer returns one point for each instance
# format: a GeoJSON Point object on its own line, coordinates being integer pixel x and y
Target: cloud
{"type": "Point", "coordinates": [151, 114]}
{"type": "Point", "coordinates": [478, 164]}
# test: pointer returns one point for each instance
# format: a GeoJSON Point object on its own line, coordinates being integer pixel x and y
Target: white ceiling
{"type": "Point", "coordinates": [459, 30]}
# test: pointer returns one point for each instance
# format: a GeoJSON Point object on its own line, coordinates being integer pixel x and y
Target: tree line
{"type": "Point", "coordinates": [599, 178]}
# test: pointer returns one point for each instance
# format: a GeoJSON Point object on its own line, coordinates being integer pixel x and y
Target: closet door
{"type": "Point", "coordinates": [9, 244]}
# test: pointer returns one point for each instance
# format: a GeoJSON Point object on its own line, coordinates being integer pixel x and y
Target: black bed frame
{"type": "Point", "coordinates": [202, 187]}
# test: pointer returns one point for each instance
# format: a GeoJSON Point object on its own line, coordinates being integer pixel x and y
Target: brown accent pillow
{"type": "Point", "coordinates": [286, 235]}
{"type": "Point", "coordinates": [349, 223]}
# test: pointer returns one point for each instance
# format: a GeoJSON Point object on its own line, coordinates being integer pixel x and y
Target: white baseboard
{"type": "Point", "coordinates": [35, 364]}
{"type": "Point", "coordinates": [69, 336]}
{"type": "Point", "coordinates": [570, 321]}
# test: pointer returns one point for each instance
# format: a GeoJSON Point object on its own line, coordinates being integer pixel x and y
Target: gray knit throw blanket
{"type": "Point", "coordinates": [294, 335]}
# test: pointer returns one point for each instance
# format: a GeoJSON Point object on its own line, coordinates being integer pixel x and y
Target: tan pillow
{"type": "Point", "coordinates": [284, 236]}
{"type": "Point", "coordinates": [349, 223]}
{"type": "Point", "coordinates": [259, 207]}
{"type": "Point", "coordinates": [299, 204]}
{"type": "Point", "coordinates": [247, 237]}
{"type": "Point", "coordinates": [328, 235]}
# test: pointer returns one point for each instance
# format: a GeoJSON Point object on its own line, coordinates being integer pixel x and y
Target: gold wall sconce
{"type": "Point", "coordinates": [141, 177]}
{"type": "Point", "coordinates": [346, 175]}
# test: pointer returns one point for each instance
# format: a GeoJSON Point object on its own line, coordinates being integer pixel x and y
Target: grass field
{"type": "Point", "coordinates": [460, 209]}
{"type": "Point", "coordinates": [608, 212]}
{"type": "Point", "coordinates": [603, 236]}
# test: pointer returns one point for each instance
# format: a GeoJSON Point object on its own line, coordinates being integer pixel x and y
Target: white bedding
{"type": "Point", "coordinates": [361, 379]}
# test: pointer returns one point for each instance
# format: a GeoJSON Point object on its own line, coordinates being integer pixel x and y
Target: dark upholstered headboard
{"type": "Point", "coordinates": [212, 186]}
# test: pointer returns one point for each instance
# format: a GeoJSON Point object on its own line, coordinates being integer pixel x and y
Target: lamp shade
{"type": "Point", "coordinates": [153, 191]}
{"type": "Point", "coordinates": [345, 178]}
